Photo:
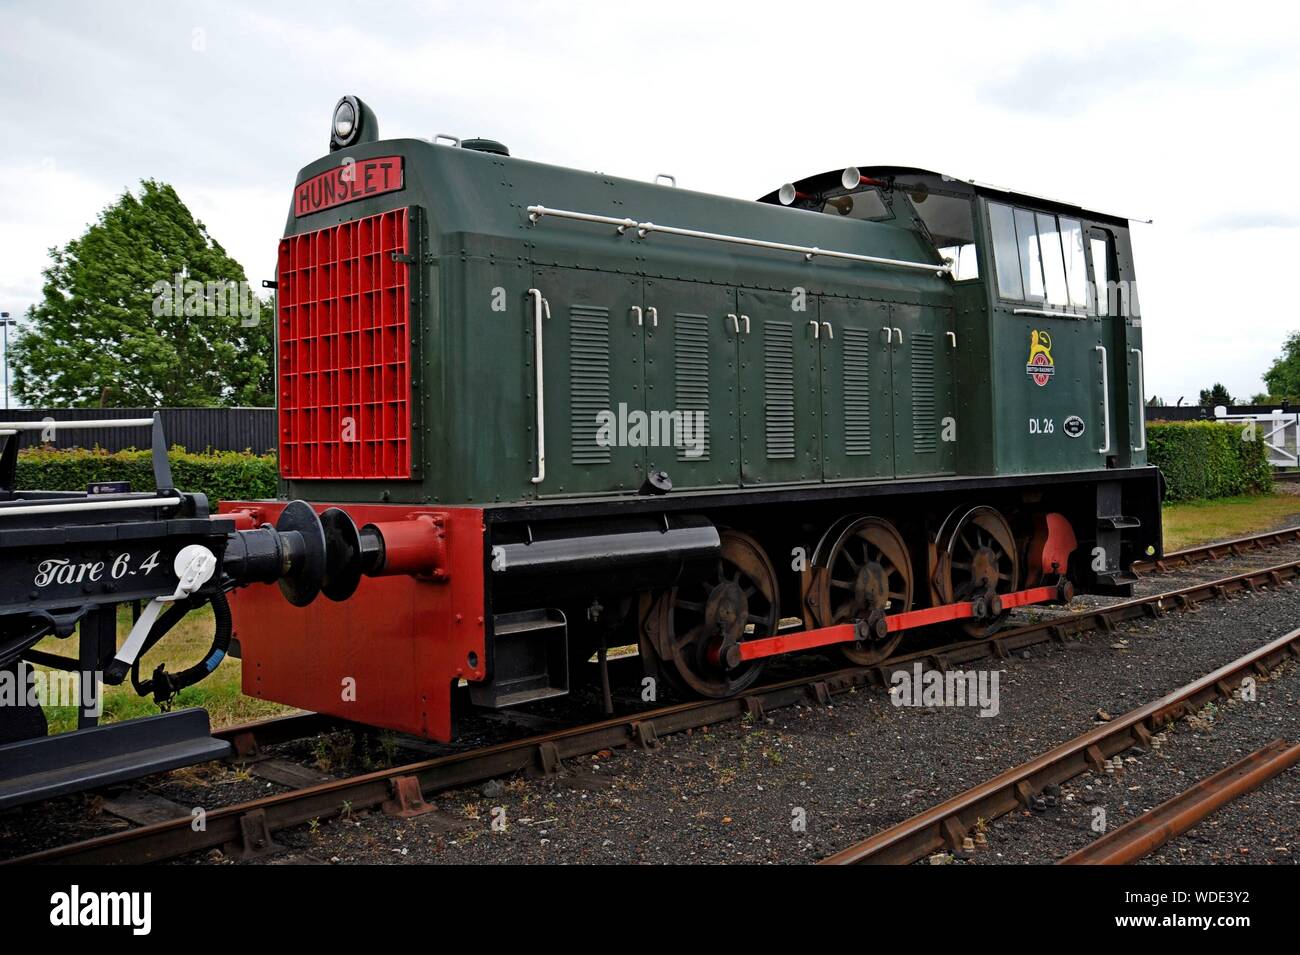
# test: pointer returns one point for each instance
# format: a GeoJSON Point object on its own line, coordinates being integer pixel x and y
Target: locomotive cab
{"type": "Point", "coordinates": [1048, 310]}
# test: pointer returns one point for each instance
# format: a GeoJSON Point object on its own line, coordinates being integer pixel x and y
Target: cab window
{"type": "Point", "coordinates": [951, 226]}
{"type": "Point", "coordinates": [1101, 272]}
{"type": "Point", "coordinates": [864, 204]}
{"type": "Point", "coordinates": [1038, 257]}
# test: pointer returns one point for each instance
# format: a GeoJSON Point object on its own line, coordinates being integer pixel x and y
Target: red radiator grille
{"type": "Point", "coordinates": [345, 378]}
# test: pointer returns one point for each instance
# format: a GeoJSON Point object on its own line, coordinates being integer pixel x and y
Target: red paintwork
{"type": "Point", "coordinates": [847, 632]}
{"type": "Point", "coordinates": [1051, 546]}
{"type": "Point", "coordinates": [417, 545]}
{"type": "Point", "coordinates": [345, 344]}
{"type": "Point", "coordinates": [1022, 598]}
{"type": "Point", "coordinates": [793, 642]}
{"type": "Point", "coordinates": [405, 641]}
{"type": "Point", "coordinates": [245, 518]}
{"type": "Point", "coordinates": [348, 182]}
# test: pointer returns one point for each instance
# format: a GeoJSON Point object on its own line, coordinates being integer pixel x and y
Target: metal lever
{"type": "Point", "coordinates": [654, 316]}
{"type": "Point", "coordinates": [953, 336]}
{"type": "Point", "coordinates": [735, 322]}
{"type": "Point", "coordinates": [830, 333]}
{"type": "Point", "coordinates": [900, 334]}
{"type": "Point", "coordinates": [640, 315]}
{"type": "Point", "coordinates": [817, 329]}
{"type": "Point", "coordinates": [194, 566]}
{"type": "Point", "coordinates": [745, 319]}
{"type": "Point", "coordinates": [889, 334]}
{"type": "Point", "coordinates": [541, 308]}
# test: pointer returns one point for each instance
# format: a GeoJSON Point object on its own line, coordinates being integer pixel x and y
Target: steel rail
{"type": "Point", "coordinates": [1219, 550]}
{"type": "Point", "coordinates": [251, 822]}
{"type": "Point", "coordinates": [1151, 830]}
{"type": "Point", "coordinates": [946, 825]}
{"type": "Point", "coordinates": [248, 739]}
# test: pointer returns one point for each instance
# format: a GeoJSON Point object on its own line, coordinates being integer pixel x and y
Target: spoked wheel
{"type": "Point", "coordinates": [866, 574]}
{"type": "Point", "coordinates": [977, 557]}
{"type": "Point", "coordinates": [698, 621]}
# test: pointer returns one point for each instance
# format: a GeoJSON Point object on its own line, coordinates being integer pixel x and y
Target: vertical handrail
{"type": "Point", "coordinates": [1142, 401]}
{"type": "Point", "coordinates": [1105, 402]}
{"type": "Point", "coordinates": [541, 307]}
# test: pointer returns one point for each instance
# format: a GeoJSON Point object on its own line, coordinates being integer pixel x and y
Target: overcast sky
{"type": "Point", "coordinates": [1185, 113]}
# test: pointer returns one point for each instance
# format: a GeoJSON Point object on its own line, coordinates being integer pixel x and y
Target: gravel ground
{"type": "Point", "coordinates": [1262, 827]}
{"type": "Point", "coordinates": [739, 792]}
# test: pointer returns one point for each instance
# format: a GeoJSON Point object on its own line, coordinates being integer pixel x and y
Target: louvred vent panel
{"type": "Point", "coordinates": [345, 345]}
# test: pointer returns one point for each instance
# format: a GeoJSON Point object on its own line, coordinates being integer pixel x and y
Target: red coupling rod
{"type": "Point", "coordinates": [910, 620]}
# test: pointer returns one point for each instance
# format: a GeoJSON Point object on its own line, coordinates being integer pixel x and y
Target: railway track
{"type": "Point", "coordinates": [1143, 835]}
{"type": "Point", "coordinates": [946, 825]}
{"type": "Point", "coordinates": [252, 737]}
{"type": "Point", "coordinates": [248, 828]}
{"type": "Point", "coordinates": [1219, 550]}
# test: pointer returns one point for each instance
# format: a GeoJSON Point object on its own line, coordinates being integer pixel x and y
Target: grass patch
{"type": "Point", "coordinates": [1201, 522]}
{"type": "Point", "coordinates": [186, 644]}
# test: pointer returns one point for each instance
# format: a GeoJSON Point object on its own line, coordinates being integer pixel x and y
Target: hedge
{"type": "Point", "coordinates": [1203, 459]}
{"type": "Point", "coordinates": [1199, 459]}
{"type": "Point", "coordinates": [221, 475]}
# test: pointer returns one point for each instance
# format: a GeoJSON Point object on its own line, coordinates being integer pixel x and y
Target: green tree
{"type": "Point", "coordinates": [1283, 378]}
{"type": "Point", "coordinates": [1264, 398]}
{"type": "Point", "coordinates": [1216, 395]}
{"type": "Point", "coordinates": [145, 309]}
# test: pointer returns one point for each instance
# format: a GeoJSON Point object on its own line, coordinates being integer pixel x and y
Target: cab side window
{"type": "Point", "coordinates": [1038, 257]}
{"type": "Point", "coordinates": [1076, 269]}
{"type": "Point", "coordinates": [1006, 254]}
{"type": "Point", "coordinates": [951, 225]}
{"type": "Point", "coordinates": [1101, 272]}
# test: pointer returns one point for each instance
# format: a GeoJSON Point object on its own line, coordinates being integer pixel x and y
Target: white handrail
{"type": "Point", "coordinates": [540, 307]}
{"type": "Point", "coordinates": [1105, 401]}
{"type": "Point", "coordinates": [535, 214]}
{"type": "Point", "coordinates": [1142, 401]}
{"type": "Point", "coordinates": [84, 505]}
{"type": "Point", "coordinates": [99, 423]}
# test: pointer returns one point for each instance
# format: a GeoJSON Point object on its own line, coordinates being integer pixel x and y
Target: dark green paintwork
{"type": "Point", "coordinates": [786, 404]}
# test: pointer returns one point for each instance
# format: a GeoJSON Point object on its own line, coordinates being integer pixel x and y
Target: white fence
{"type": "Point", "coordinates": [1279, 430]}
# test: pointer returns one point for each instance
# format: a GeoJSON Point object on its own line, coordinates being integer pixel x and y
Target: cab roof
{"type": "Point", "coordinates": [829, 183]}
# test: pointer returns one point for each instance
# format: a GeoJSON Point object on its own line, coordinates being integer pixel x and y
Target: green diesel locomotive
{"type": "Point", "coordinates": [591, 411]}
